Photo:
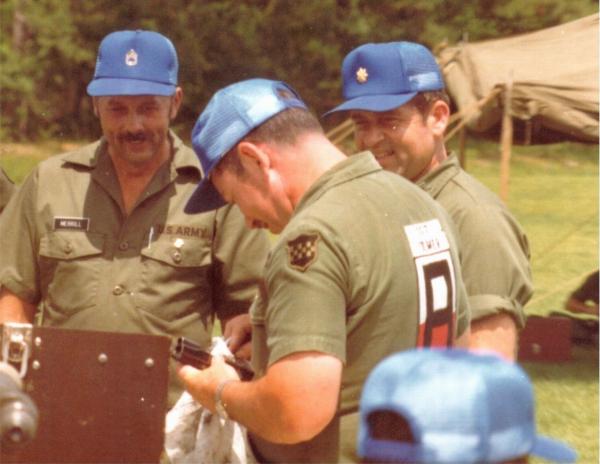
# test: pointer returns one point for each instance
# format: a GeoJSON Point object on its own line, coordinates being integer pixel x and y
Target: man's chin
{"type": "Point", "coordinates": [138, 155]}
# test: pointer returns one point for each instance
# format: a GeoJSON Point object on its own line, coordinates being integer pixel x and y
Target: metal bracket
{"type": "Point", "coordinates": [16, 341]}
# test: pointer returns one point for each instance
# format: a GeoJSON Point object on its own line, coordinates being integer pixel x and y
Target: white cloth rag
{"type": "Point", "coordinates": [195, 435]}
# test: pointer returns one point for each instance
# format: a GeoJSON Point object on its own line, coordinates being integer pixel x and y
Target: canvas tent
{"type": "Point", "coordinates": [553, 75]}
{"type": "Point", "coordinates": [537, 87]}
{"type": "Point", "coordinates": [553, 79]}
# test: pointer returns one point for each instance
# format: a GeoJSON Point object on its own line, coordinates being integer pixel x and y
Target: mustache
{"type": "Point", "coordinates": [133, 137]}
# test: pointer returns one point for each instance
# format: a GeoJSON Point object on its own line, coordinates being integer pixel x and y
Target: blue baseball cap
{"type": "Point", "coordinates": [459, 406]}
{"type": "Point", "coordinates": [135, 63]}
{"type": "Point", "coordinates": [384, 76]}
{"type": "Point", "coordinates": [230, 115]}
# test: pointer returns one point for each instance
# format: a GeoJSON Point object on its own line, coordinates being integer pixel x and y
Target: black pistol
{"type": "Point", "coordinates": [186, 351]}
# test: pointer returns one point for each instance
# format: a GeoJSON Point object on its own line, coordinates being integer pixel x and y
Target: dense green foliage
{"type": "Point", "coordinates": [48, 47]}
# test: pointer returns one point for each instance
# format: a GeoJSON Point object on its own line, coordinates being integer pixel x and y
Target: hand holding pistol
{"type": "Point", "coordinates": [186, 351]}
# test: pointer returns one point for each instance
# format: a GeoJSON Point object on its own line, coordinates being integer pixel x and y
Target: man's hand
{"type": "Point", "coordinates": [202, 384]}
{"type": "Point", "coordinates": [293, 402]}
{"type": "Point", "coordinates": [237, 331]}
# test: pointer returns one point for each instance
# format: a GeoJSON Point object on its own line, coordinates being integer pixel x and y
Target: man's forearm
{"type": "Point", "coordinates": [14, 309]}
{"type": "Point", "coordinates": [292, 403]}
{"type": "Point", "coordinates": [496, 333]}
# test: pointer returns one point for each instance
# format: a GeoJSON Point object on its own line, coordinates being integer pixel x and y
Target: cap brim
{"type": "Point", "coordinates": [107, 86]}
{"type": "Point", "coordinates": [376, 103]}
{"type": "Point", "coordinates": [205, 198]}
{"type": "Point", "coordinates": [553, 450]}
{"type": "Point", "coordinates": [391, 451]}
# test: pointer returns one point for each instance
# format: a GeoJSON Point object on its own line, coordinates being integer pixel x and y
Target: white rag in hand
{"type": "Point", "coordinates": [194, 435]}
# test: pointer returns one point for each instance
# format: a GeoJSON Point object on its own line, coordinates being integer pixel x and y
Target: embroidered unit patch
{"type": "Point", "coordinates": [302, 251]}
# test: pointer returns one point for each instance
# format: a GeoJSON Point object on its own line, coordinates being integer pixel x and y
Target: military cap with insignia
{"type": "Point", "coordinates": [135, 63]}
{"type": "Point", "coordinates": [384, 76]}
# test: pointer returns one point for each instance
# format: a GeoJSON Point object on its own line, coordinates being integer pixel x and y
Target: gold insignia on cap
{"type": "Point", "coordinates": [302, 251]}
{"type": "Point", "coordinates": [362, 75]}
{"type": "Point", "coordinates": [131, 58]}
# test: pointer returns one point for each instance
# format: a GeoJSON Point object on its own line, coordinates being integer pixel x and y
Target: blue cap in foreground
{"type": "Point", "coordinates": [231, 114]}
{"type": "Point", "coordinates": [135, 63]}
{"type": "Point", "coordinates": [460, 407]}
{"type": "Point", "coordinates": [384, 76]}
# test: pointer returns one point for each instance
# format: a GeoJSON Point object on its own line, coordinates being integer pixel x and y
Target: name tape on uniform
{"type": "Point", "coordinates": [71, 223]}
{"type": "Point", "coordinates": [426, 238]}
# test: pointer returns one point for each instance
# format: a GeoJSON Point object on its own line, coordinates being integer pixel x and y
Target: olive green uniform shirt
{"type": "Point", "coordinates": [67, 245]}
{"type": "Point", "coordinates": [343, 280]}
{"type": "Point", "coordinates": [494, 249]}
{"type": "Point", "coordinates": [7, 188]}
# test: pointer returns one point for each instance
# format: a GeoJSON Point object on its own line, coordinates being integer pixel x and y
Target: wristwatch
{"type": "Point", "coordinates": [220, 407]}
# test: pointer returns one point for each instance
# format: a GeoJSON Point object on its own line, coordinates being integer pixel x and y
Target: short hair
{"type": "Point", "coordinates": [285, 128]}
{"type": "Point", "coordinates": [424, 100]}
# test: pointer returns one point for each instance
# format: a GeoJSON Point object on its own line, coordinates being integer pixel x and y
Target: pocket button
{"type": "Point", "coordinates": [118, 290]}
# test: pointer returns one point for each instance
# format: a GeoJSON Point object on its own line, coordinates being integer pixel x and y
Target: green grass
{"type": "Point", "coordinates": [554, 195]}
{"type": "Point", "coordinates": [19, 159]}
{"type": "Point", "coordinates": [553, 192]}
{"type": "Point", "coordinates": [567, 401]}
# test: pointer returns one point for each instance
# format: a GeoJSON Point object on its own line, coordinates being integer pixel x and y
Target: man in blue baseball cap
{"type": "Point", "coordinates": [329, 309]}
{"type": "Point", "coordinates": [394, 93]}
{"type": "Point", "coordinates": [96, 239]}
{"type": "Point", "coordinates": [451, 406]}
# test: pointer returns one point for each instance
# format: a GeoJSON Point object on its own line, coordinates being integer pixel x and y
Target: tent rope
{"type": "Point", "coordinates": [546, 251]}
{"type": "Point", "coordinates": [567, 286]}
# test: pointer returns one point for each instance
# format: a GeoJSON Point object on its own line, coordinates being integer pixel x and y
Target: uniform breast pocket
{"type": "Point", "coordinates": [71, 264]}
{"type": "Point", "coordinates": [175, 279]}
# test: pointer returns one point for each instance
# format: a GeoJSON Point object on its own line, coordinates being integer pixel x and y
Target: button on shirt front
{"type": "Point", "coordinates": [89, 278]}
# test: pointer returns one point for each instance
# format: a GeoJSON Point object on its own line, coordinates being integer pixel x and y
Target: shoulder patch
{"type": "Point", "coordinates": [302, 251]}
{"type": "Point", "coordinates": [426, 238]}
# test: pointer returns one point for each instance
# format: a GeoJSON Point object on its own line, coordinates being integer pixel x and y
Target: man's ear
{"type": "Point", "coordinates": [95, 106]}
{"type": "Point", "coordinates": [176, 100]}
{"type": "Point", "coordinates": [253, 157]}
{"type": "Point", "coordinates": [438, 116]}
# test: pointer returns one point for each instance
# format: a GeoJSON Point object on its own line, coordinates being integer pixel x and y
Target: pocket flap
{"type": "Point", "coordinates": [69, 245]}
{"type": "Point", "coordinates": [189, 253]}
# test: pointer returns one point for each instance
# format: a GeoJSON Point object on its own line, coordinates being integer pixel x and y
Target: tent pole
{"type": "Point", "coordinates": [506, 139]}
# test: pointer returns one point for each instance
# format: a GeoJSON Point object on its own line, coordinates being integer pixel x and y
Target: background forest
{"type": "Point", "coordinates": [48, 47]}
